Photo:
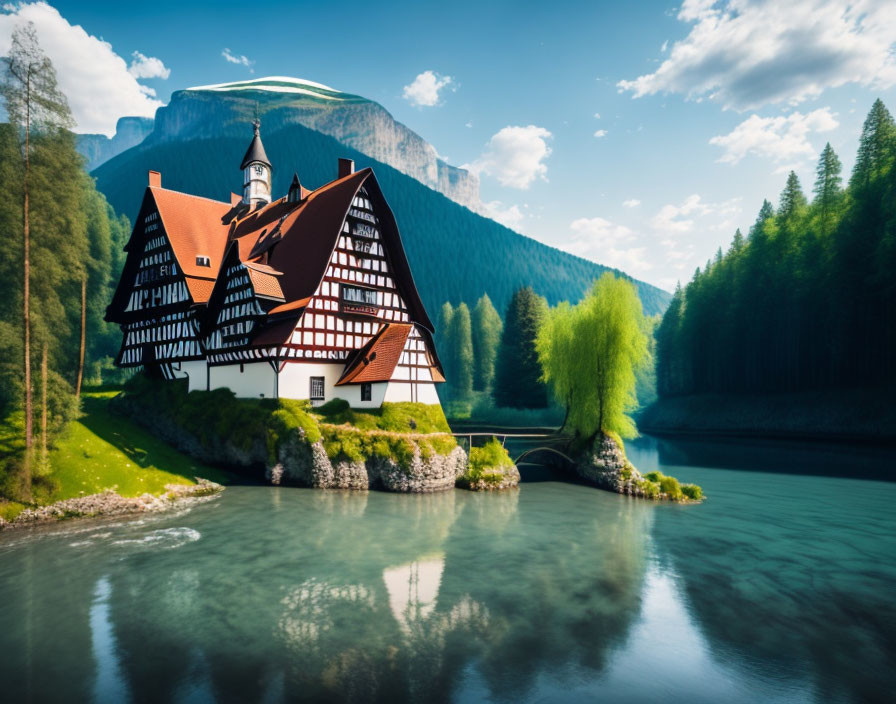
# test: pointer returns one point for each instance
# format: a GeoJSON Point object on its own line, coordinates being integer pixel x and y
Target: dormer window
{"type": "Point", "coordinates": [202, 260]}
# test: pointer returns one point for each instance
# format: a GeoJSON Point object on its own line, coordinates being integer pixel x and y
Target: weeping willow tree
{"type": "Point", "coordinates": [590, 355]}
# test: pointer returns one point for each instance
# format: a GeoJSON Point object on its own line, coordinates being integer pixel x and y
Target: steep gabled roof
{"type": "Point", "coordinates": [376, 361]}
{"type": "Point", "coordinates": [195, 227]}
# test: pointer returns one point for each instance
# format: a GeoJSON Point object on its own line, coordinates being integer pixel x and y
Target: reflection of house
{"type": "Point", "coordinates": [309, 296]}
{"type": "Point", "coordinates": [413, 589]}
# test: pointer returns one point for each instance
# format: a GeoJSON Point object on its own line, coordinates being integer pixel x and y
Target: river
{"type": "Point", "coordinates": [779, 588]}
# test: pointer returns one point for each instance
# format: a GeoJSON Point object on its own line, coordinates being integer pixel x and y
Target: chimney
{"type": "Point", "coordinates": [346, 167]}
{"type": "Point", "coordinates": [155, 179]}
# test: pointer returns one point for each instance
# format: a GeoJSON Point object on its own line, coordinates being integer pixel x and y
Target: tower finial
{"type": "Point", "coordinates": [256, 123]}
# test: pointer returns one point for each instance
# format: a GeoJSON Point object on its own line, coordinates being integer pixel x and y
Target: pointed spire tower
{"type": "Point", "coordinates": [256, 172]}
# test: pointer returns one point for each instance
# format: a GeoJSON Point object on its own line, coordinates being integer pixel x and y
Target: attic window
{"type": "Point", "coordinates": [203, 260]}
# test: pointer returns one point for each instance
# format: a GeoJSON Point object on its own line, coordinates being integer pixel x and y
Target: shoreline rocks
{"type": "Point", "coordinates": [605, 466]}
{"type": "Point", "coordinates": [307, 464]}
{"type": "Point", "coordinates": [111, 503]}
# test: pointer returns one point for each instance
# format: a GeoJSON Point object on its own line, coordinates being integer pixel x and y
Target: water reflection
{"type": "Point", "coordinates": [796, 565]}
{"type": "Point", "coordinates": [553, 592]}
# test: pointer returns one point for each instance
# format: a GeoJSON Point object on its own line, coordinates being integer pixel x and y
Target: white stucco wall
{"type": "Point", "coordinates": [401, 391]}
{"type": "Point", "coordinates": [295, 379]}
{"type": "Point", "coordinates": [352, 394]}
{"type": "Point", "coordinates": [194, 371]}
{"type": "Point", "coordinates": [256, 379]}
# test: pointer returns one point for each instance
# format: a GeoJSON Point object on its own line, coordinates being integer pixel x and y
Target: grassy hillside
{"type": "Point", "coordinates": [455, 254]}
{"type": "Point", "coordinates": [105, 451]}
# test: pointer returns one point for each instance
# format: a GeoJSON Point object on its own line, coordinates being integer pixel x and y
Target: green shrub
{"type": "Point", "coordinates": [692, 491]}
{"type": "Point", "coordinates": [670, 487]}
{"type": "Point", "coordinates": [333, 407]}
{"type": "Point", "coordinates": [488, 463]}
{"type": "Point", "coordinates": [651, 490]}
{"type": "Point", "coordinates": [654, 476]}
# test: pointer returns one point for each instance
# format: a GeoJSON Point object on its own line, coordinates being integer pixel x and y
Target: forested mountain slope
{"type": "Point", "coordinates": [456, 255]}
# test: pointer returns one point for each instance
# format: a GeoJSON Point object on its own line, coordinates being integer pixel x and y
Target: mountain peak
{"type": "Point", "coordinates": [281, 84]}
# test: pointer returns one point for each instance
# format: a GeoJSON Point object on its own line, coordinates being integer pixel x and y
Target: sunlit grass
{"type": "Point", "coordinates": [104, 451]}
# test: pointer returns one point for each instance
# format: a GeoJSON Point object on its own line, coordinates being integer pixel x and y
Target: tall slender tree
{"type": "Point", "coordinates": [487, 329]}
{"type": "Point", "coordinates": [460, 352]}
{"type": "Point", "coordinates": [827, 187]}
{"type": "Point", "coordinates": [443, 340]}
{"type": "Point", "coordinates": [875, 150]}
{"type": "Point", "coordinates": [33, 103]}
{"type": "Point", "coordinates": [518, 381]}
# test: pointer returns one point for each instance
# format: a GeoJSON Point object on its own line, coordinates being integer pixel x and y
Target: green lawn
{"type": "Point", "coordinates": [104, 451]}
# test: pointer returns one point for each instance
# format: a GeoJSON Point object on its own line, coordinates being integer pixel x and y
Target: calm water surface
{"type": "Point", "coordinates": [780, 588]}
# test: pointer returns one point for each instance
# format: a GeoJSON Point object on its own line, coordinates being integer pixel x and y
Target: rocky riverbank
{"type": "Point", "coordinates": [605, 465]}
{"type": "Point", "coordinates": [414, 468]}
{"type": "Point", "coordinates": [110, 503]}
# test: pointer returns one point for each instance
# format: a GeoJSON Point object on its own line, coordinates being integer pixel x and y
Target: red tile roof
{"type": "Point", "coordinates": [200, 289]}
{"type": "Point", "coordinates": [377, 360]}
{"type": "Point", "coordinates": [265, 284]}
{"type": "Point", "coordinates": [195, 227]}
{"type": "Point", "coordinates": [294, 305]}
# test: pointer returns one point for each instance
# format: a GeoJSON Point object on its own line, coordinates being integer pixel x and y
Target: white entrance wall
{"type": "Point", "coordinates": [249, 380]}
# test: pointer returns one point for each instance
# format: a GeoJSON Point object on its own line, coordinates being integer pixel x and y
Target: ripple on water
{"type": "Point", "coordinates": [163, 538]}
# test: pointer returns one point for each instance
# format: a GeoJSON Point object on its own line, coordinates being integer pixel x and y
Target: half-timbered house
{"type": "Point", "coordinates": [308, 297]}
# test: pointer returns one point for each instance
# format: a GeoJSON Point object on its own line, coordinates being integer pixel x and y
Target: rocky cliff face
{"type": "Point", "coordinates": [98, 148]}
{"type": "Point", "coordinates": [227, 109]}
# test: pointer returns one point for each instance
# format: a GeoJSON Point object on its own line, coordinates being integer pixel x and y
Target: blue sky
{"type": "Point", "coordinates": [637, 135]}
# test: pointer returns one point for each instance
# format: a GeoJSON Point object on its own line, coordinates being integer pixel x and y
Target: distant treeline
{"type": "Point", "coordinates": [808, 299]}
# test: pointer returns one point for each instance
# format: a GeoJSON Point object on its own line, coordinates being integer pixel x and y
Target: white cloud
{"type": "Point", "coordinates": [147, 67]}
{"type": "Point", "coordinates": [597, 116]}
{"type": "Point", "coordinates": [631, 203]}
{"type": "Point", "coordinates": [600, 133]}
{"type": "Point", "coordinates": [749, 53]}
{"type": "Point", "coordinates": [783, 138]}
{"type": "Point", "coordinates": [97, 82]}
{"type": "Point", "coordinates": [508, 215]}
{"type": "Point", "coordinates": [677, 219]}
{"type": "Point", "coordinates": [238, 59]}
{"type": "Point", "coordinates": [424, 90]}
{"type": "Point", "coordinates": [515, 156]}
{"type": "Point", "coordinates": [664, 46]}
{"type": "Point", "coordinates": [605, 242]}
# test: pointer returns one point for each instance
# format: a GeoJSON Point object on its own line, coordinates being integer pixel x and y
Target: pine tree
{"type": "Point", "coordinates": [793, 202]}
{"type": "Point", "coordinates": [518, 373]}
{"type": "Point", "coordinates": [487, 329]}
{"type": "Point", "coordinates": [460, 352]}
{"type": "Point", "coordinates": [33, 104]}
{"type": "Point", "coordinates": [875, 150]}
{"type": "Point", "coordinates": [827, 186]}
{"type": "Point", "coordinates": [443, 341]}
